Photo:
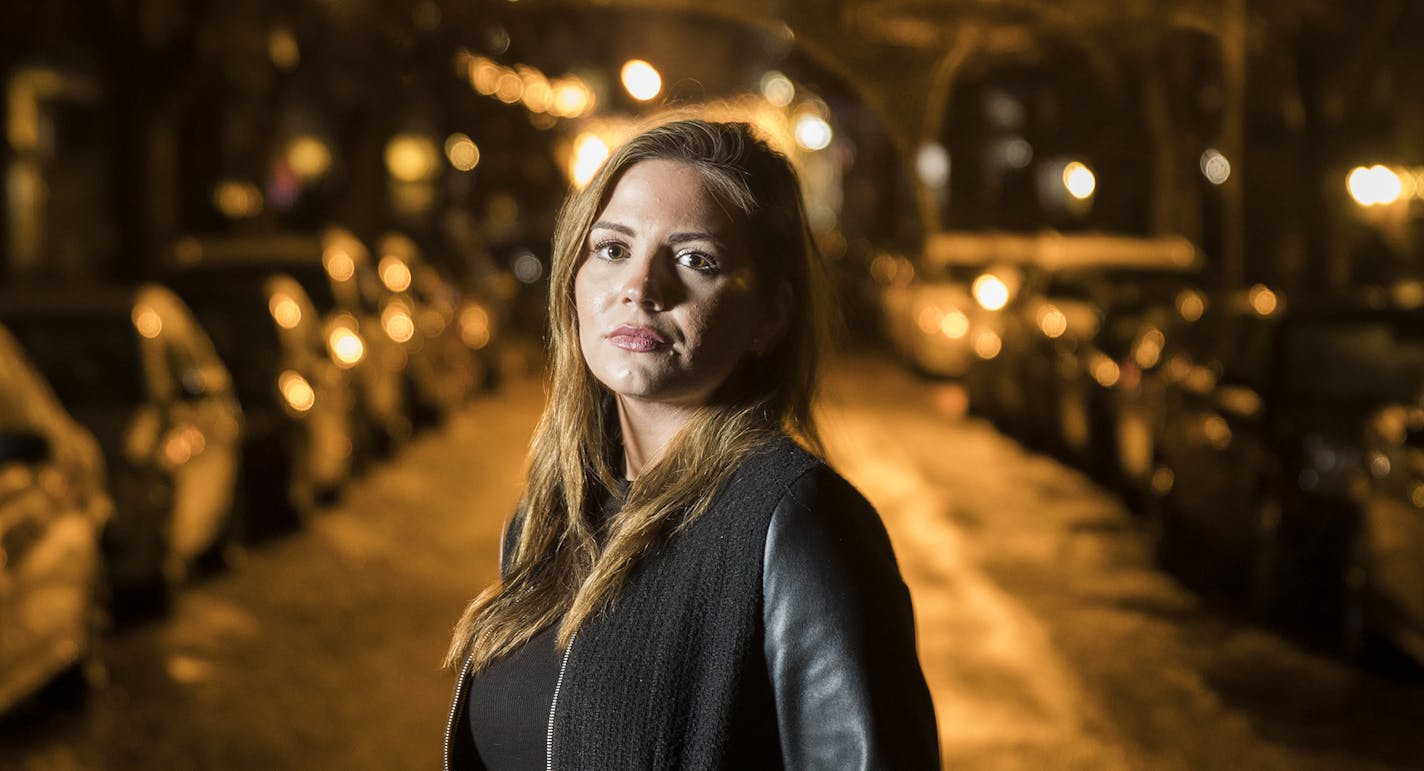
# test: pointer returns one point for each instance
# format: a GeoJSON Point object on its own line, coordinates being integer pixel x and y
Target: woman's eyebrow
{"type": "Point", "coordinates": [675, 238]}
{"type": "Point", "coordinates": [679, 238]}
{"type": "Point", "coordinates": [605, 225]}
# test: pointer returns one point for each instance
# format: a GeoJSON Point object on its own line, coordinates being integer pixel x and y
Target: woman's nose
{"type": "Point", "coordinates": [643, 283]}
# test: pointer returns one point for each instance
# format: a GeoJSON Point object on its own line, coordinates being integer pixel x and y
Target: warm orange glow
{"type": "Point", "coordinates": [395, 274]}
{"type": "Point", "coordinates": [396, 320]}
{"type": "Point", "coordinates": [571, 98]}
{"type": "Point", "coordinates": [346, 346]}
{"type": "Point", "coordinates": [1079, 180]}
{"type": "Point", "coordinates": [955, 324]}
{"type": "Point", "coordinates": [285, 311]}
{"type": "Point", "coordinates": [1190, 305]}
{"type": "Point", "coordinates": [339, 263]}
{"type": "Point", "coordinates": [237, 200]}
{"type": "Point", "coordinates": [1052, 321]}
{"type": "Point", "coordinates": [462, 152]}
{"type": "Point", "coordinates": [1263, 300]}
{"type": "Point", "coordinates": [990, 292]}
{"type": "Point", "coordinates": [929, 319]}
{"type": "Point", "coordinates": [1149, 349]}
{"type": "Point", "coordinates": [147, 321]}
{"type": "Point", "coordinates": [1376, 186]}
{"type": "Point", "coordinates": [411, 158]}
{"type": "Point", "coordinates": [296, 390]}
{"type": "Point", "coordinates": [309, 157]}
{"type": "Point", "coordinates": [1106, 371]}
{"type": "Point", "coordinates": [987, 344]}
{"type": "Point", "coordinates": [589, 154]}
{"type": "Point", "coordinates": [641, 80]}
{"type": "Point", "coordinates": [474, 326]}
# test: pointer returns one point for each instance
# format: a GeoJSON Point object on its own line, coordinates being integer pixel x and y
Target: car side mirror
{"type": "Point", "coordinates": [24, 447]}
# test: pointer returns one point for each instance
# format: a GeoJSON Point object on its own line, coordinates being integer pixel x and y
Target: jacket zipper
{"type": "Point", "coordinates": [553, 705]}
{"type": "Point", "coordinates": [454, 705]}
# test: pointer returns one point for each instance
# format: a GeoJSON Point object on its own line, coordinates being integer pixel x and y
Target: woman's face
{"type": "Point", "coordinates": [665, 295]}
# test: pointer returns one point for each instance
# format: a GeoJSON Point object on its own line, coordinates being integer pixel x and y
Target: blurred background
{"type": "Point", "coordinates": [1132, 364]}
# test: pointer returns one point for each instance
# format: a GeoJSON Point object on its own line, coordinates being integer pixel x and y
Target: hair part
{"type": "Point", "coordinates": [558, 572]}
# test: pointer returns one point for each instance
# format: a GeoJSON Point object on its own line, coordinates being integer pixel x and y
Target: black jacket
{"type": "Point", "coordinates": [775, 631]}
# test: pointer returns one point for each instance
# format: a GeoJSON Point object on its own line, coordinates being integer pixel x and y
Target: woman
{"type": "Point", "coordinates": [683, 586]}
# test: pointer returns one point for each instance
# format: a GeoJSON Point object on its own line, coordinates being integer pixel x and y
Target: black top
{"type": "Point", "coordinates": [509, 705]}
{"type": "Point", "coordinates": [510, 699]}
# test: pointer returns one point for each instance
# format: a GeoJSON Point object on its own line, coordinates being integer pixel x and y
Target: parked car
{"type": "Point", "coordinates": [337, 273]}
{"type": "Point", "coordinates": [1157, 348]}
{"type": "Point", "coordinates": [1384, 555]}
{"type": "Point", "coordinates": [1261, 440]}
{"type": "Point", "coordinates": [443, 371]}
{"type": "Point", "coordinates": [54, 506]}
{"type": "Point", "coordinates": [943, 317]}
{"type": "Point", "coordinates": [1097, 360]}
{"type": "Point", "coordinates": [133, 366]}
{"type": "Point", "coordinates": [297, 450]}
{"type": "Point", "coordinates": [1078, 298]}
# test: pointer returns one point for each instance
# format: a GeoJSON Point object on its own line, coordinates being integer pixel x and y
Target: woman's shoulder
{"type": "Point", "coordinates": [791, 482]}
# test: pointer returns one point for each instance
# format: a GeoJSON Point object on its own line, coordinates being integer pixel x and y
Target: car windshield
{"type": "Point", "coordinates": [87, 360]}
{"type": "Point", "coordinates": [1355, 361]}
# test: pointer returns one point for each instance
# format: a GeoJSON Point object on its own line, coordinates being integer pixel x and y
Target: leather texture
{"type": "Point", "coordinates": [839, 636]}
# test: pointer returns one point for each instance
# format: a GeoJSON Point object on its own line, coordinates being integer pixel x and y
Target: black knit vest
{"type": "Point", "coordinates": [673, 675]}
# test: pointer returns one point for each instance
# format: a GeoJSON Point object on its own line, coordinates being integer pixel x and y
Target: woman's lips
{"type": "Point", "coordinates": [638, 339]}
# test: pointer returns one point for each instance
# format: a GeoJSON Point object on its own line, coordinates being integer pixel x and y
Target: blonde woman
{"type": "Point", "coordinates": [684, 584]}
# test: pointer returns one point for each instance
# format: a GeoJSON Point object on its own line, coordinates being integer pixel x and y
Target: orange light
{"type": "Point", "coordinates": [395, 274]}
{"type": "Point", "coordinates": [147, 321]}
{"type": "Point", "coordinates": [296, 390]}
{"type": "Point", "coordinates": [285, 311]}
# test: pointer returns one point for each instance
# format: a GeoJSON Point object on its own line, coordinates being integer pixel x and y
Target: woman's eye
{"type": "Point", "coordinates": [610, 251]}
{"type": "Point", "coordinates": [698, 261]}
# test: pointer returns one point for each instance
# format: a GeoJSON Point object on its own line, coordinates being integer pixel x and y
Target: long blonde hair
{"type": "Point", "coordinates": [558, 572]}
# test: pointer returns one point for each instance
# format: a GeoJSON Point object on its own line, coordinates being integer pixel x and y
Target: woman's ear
{"type": "Point", "coordinates": [773, 322]}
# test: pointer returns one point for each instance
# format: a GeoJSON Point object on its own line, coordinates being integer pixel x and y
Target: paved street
{"type": "Point", "coordinates": [1049, 639]}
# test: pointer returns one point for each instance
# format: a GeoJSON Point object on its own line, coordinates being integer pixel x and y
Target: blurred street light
{"type": "Point", "coordinates": [1214, 166]}
{"type": "Point", "coordinates": [641, 80]}
{"type": "Point", "coordinates": [990, 292]}
{"type": "Point", "coordinates": [1079, 180]}
{"type": "Point", "coordinates": [410, 158]}
{"type": "Point", "coordinates": [813, 132]}
{"type": "Point", "coordinates": [777, 88]}
{"type": "Point", "coordinates": [1375, 186]}
{"type": "Point", "coordinates": [589, 154]}
{"type": "Point", "coordinates": [309, 157]}
{"type": "Point", "coordinates": [462, 152]}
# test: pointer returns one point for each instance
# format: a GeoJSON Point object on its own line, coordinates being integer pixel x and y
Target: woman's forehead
{"type": "Point", "coordinates": [661, 191]}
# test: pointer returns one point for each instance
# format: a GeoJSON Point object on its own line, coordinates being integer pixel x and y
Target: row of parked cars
{"type": "Point", "coordinates": [145, 430]}
{"type": "Point", "coordinates": [1273, 443]}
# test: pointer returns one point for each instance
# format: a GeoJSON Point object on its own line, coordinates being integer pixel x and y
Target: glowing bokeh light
{"type": "Point", "coordinates": [641, 79]}
{"type": "Point", "coordinates": [1079, 180]}
{"type": "Point", "coordinates": [990, 292]}
{"type": "Point", "coordinates": [462, 152]}
{"type": "Point", "coordinates": [589, 153]}
{"type": "Point", "coordinates": [813, 132]}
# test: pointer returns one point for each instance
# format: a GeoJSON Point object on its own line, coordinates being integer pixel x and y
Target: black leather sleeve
{"type": "Point", "coordinates": [840, 636]}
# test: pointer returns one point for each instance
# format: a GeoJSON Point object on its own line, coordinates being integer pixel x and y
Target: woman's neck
{"type": "Point", "coordinates": [648, 428]}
